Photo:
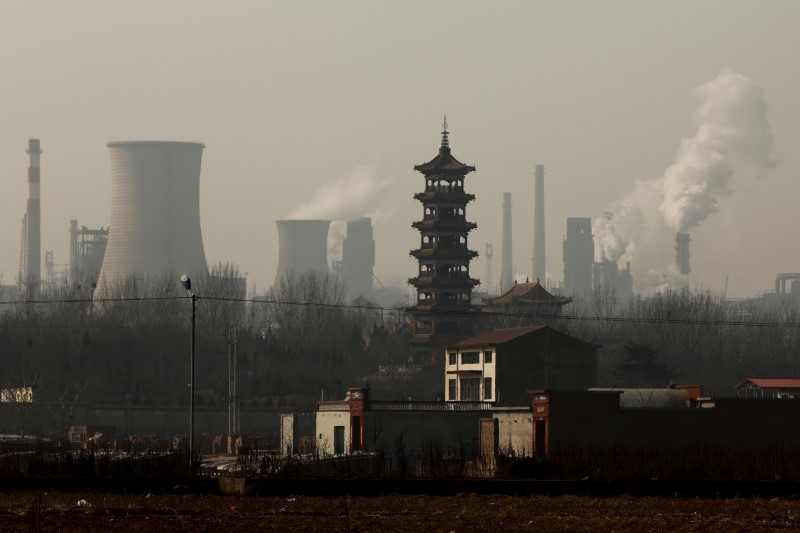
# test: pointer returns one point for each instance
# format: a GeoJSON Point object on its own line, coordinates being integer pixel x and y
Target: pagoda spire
{"type": "Point", "coordinates": [445, 142]}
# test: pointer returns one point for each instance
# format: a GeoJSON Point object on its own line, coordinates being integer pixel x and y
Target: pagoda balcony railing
{"type": "Point", "coordinates": [444, 281]}
{"type": "Point", "coordinates": [452, 224]}
{"type": "Point", "coordinates": [457, 195]}
{"type": "Point", "coordinates": [434, 252]}
{"type": "Point", "coordinates": [434, 246]}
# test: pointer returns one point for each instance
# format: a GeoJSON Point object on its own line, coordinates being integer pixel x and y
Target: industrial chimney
{"type": "Point", "coordinates": [506, 267]}
{"type": "Point", "coordinates": [303, 247]}
{"type": "Point", "coordinates": [539, 267]}
{"type": "Point", "coordinates": [31, 270]}
{"type": "Point", "coordinates": [155, 210]}
{"type": "Point", "coordinates": [682, 253]}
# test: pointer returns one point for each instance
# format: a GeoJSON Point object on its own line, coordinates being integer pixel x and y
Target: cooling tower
{"type": "Point", "coordinates": [358, 257]}
{"type": "Point", "coordinates": [303, 247]}
{"type": "Point", "coordinates": [155, 210]}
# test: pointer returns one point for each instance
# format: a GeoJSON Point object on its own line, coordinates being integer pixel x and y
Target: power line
{"type": "Point", "coordinates": [403, 309]}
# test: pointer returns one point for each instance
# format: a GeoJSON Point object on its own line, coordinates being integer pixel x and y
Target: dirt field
{"type": "Point", "coordinates": [32, 511]}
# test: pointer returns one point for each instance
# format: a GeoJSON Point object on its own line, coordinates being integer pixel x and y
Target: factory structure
{"type": "Point", "coordinates": [539, 265]}
{"type": "Point", "coordinates": [30, 270]}
{"type": "Point", "coordinates": [507, 260]}
{"type": "Point", "coordinates": [87, 249]}
{"type": "Point", "coordinates": [155, 211]}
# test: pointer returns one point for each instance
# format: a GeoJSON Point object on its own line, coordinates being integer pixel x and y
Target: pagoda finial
{"type": "Point", "coordinates": [445, 141]}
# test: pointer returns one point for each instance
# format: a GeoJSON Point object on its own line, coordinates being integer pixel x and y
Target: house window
{"type": "Point", "coordinates": [487, 388]}
{"type": "Point", "coordinates": [471, 389]}
{"type": "Point", "coordinates": [487, 357]}
{"type": "Point", "coordinates": [451, 389]}
{"type": "Point", "coordinates": [470, 358]}
{"type": "Point", "coordinates": [452, 358]}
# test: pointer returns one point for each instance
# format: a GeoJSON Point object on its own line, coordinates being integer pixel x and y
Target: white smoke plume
{"type": "Point", "coordinates": [343, 200]}
{"type": "Point", "coordinates": [347, 198]}
{"type": "Point", "coordinates": [732, 133]}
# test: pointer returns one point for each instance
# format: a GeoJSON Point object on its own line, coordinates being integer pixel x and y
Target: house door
{"type": "Point", "coordinates": [338, 440]}
{"type": "Point", "coordinates": [540, 438]}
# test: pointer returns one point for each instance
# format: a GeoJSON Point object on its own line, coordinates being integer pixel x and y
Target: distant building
{"type": "Point", "coordinates": [502, 365]}
{"type": "Point", "coordinates": [523, 304]}
{"type": "Point", "coordinates": [607, 275]}
{"type": "Point", "coordinates": [769, 387]}
{"type": "Point", "coordinates": [87, 248]}
{"type": "Point", "coordinates": [578, 256]}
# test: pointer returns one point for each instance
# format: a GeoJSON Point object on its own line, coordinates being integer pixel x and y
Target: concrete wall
{"type": "Point", "coordinates": [515, 433]}
{"type": "Point", "coordinates": [416, 430]}
{"type": "Point", "coordinates": [163, 422]}
{"type": "Point", "coordinates": [326, 421]}
{"type": "Point", "coordinates": [592, 419]}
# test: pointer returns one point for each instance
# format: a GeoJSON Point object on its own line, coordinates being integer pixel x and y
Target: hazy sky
{"type": "Point", "coordinates": [291, 96]}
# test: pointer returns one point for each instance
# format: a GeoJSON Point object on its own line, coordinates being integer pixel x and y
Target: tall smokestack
{"type": "Point", "coordinates": [506, 268]}
{"type": "Point", "coordinates": [682, 253]}
{"type": "Point", "coordinates": [303, 247]}
{"type": "Point", "coordinates": [539, 268]}
{"type": "Point", "coordinates": [32, 270]}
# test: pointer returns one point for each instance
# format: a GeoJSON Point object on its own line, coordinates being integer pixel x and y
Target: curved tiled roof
{"type": "Point", "coordinates": [528, 293]}
{"type": "Point", "coordinates": [444, 162]}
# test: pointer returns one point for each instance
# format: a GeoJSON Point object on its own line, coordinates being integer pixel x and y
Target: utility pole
{"type": "Point", "coordinates": [232, 418]}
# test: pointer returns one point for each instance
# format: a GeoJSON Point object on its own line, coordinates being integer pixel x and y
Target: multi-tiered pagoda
{"type": "Point", "coordinates": [443, 313]}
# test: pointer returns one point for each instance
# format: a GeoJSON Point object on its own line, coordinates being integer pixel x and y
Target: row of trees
{"type": "Point", "coordinates": [686, 336]}
{"type": "Point", "coordinates": [131, 344]}
{"type": "Point", "coordinates": [302, 340]}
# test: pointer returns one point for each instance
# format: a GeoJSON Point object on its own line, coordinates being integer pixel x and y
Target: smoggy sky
{"type": "Point", "coordinates": [291, 98]}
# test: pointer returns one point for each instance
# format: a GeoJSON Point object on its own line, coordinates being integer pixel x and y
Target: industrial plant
{"type": "Point", "coordinates": [30, 271]}
{"type": "Point", "coordinates": [155, 211]}
{"type": "Point", "coordinates": [492, 348]}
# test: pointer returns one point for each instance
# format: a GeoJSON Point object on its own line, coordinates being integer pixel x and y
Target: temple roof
{"type": "Point", "coordinates": [444, 162]}
{"type": "Point", "coordinates": [530, 293]}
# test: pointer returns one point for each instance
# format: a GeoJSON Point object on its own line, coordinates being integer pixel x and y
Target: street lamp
{"type": "Point", "coordinates": [187, 284]}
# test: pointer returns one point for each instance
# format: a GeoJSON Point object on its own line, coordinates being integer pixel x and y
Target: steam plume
{"type": "Point", "coordinates": [732, 129]}
{"type": "Point", "coordinates": [732, 133]}
{"type": "Point", "coordinates": [347, 198]}
{"type": "Point", "coordinates": [340, 201]}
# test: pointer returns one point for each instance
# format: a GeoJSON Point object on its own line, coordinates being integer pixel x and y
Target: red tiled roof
{"type": "Point", "coordinates": [770, 383]}
{"type": "Point", "coordinates": [497, 336]}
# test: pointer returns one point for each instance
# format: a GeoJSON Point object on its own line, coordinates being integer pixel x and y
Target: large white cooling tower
{"type": "Point", "coordinates": [155, 210]}
{"type": "Point", "coordinates": [303, 247]}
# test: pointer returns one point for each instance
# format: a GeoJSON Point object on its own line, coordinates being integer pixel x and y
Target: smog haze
{"type": "Point", "coordinates": [321, 109]}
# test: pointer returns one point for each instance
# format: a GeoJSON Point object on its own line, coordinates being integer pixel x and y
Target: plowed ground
{"type": "Point", "coordinates": [53, 511]}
